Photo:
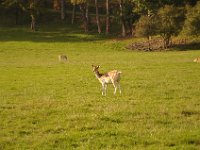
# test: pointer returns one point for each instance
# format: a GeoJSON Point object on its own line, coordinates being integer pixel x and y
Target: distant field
{"type": "Point", "coordinates": [48, 105]}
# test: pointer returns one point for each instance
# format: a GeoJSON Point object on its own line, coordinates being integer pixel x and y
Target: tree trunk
{"type": "Point", "coordinates": [97, 17]}
{"type": "Point", "coordinates": [163, 43]}
{"type": "Point", "coordinates": [73, 13]}
{"type": "Point", "coordinates": [130, 25]}
{"type": "Point", "coordinates": [149, 43]}
{"type": "Point", "coordinates": [107, 17]}
{"type": "Point", "coordinates": [56, 4]}
{"type": "Point", "coordinates": [133, 30]}
{"type": "Point", "coordinates": [166, 41]}
{"type": "Point", "coordinates": [122, 19]}
{"type": "Point", "coordinates": [82, 8]}
{"type": "Point", "coordinates": [32, 15]}
{"type": "Point", "coordinates": [87, 12]}
{"type": "Point", "coordinates": [62, 10]}
{"type": "Point", "coordinates": [33, 22]}
{"type": "Point", "coordinates": [16, 14]}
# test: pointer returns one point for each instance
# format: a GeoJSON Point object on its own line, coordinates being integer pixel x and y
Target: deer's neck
{"type": "Point", "coordinates": [97, 74]}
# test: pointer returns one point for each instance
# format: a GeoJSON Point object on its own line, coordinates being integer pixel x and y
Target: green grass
{"type": "Point", "coordinates": [48, 105]}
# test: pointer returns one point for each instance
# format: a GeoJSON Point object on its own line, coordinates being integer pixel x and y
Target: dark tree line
{"type": "Point", "coordinates": [138, 17]}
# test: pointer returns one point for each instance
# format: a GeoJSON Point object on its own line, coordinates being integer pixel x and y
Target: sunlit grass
{"type": "Point", "coordinates": [48, 105]}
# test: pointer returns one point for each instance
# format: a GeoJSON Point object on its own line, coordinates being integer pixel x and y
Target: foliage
{"type": "Point", "coordinates": [192, 22]}
{"type": "Point", "coordinates": [78, 1]}
{"type": "Point", "coordinates": [124, 12]}
{"type": "Point", "coordinates": [14, 3]}
{"type": "Point", "coordinates": [177, 2]}
{"type": "Point", "coordinates": [146, 7]}
{"type": "Point", "coordinates": [170, 22]}
{"type": "Point", "coordinates": [146, 26]}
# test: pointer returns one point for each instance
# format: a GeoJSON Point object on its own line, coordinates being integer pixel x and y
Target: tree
{"type": "Point", "coordinates": [107, 17]}
{"type": "Point", "coordinates": [83, 8]}
{"type": "Point", "coordinates": [17, 5]}
{"type": "Point", "coordinates": [146, 27]}
{"type": "Point", "coordinates": [97, 17]}
{"type": "Point", "coordinates": [73, 13]}
{"type": "Point", "coordinates": [129, 16]}
{"type": "Point", "coordinates": [87, 11]}
{"type": "Point", "coordinates": [146, 7]}
{"type": "Point", "coordinates": [121, 6]}
{"type": "Point", "coordinates": [192, 22]}
{"type": "Point", "coordinates": [32, 8]}
{"type": "Point", "coordinates": [56, 4]}
{"type": "Point", "coordinates": [62, 9]}
{"type": "Point", "coordinates": [177, 2]}
{"type": "Point", "coordinates": [170, 22]}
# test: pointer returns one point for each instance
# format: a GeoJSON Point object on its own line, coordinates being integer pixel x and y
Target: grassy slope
{"type": "Point", "coordinates": [48, 105]}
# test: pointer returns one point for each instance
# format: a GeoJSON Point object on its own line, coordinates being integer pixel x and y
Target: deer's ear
{"type": "Point", "coordinates": [98, 66]}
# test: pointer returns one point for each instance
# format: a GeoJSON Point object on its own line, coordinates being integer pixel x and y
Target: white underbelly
{"type": "Point", "coordinates": [105, 80]}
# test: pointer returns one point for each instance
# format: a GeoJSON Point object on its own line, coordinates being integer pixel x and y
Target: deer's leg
{"type": "Point", "coordinates": [119, 88]}
{"type": "Point", "coordinates": [103, 88]}
{"type": "Point", "coordinates": [115, 86]}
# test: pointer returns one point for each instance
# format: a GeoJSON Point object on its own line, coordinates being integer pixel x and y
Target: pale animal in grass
{"type": "Point", "coordinates": [111, 77]}
{"type": "Point", "coordinates": [197, 60]}
{"type": "Point", "coordinates": [62, 58]}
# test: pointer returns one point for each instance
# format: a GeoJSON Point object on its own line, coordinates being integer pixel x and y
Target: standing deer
{"type": "Point", "coordinates": [112, 77]}
{"type": "Point", "coordinates": [197, 60]}
{"type": "Point", "coordinates": [62, 58]}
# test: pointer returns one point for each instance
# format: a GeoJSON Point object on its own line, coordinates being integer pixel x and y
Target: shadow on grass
{"type": "Point", "coordinates": [195, 45]}
{"type": "Point", "coordinates": [191, 46]}
{"type": "Point", "coordinates": [50, 34]}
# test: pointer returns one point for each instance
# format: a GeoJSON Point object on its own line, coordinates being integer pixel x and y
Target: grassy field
{"type": "Point", "coordinates": [45, 104]}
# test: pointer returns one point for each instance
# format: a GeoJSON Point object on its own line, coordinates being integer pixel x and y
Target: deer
{"type": "Point", "coordinates": [62, 58]}
{"type": "Point", "coordinates": [111, 77]}
{"type": "Point", "coordinates": [197, 60]}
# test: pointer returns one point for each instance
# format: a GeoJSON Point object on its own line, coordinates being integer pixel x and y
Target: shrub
{"type": "Point", "coordinates": [170, 22]}
{"type": "Point", "coordinates": [146, 27]}
{"type": "Point", "coordinates": [192, 22]}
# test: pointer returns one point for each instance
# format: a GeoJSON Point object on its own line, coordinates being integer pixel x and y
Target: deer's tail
{"type": "Point", "coordinates": [119, 72]}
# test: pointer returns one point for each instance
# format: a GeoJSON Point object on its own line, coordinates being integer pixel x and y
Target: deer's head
{"type": "Point", "coordinates": [95, 68]}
